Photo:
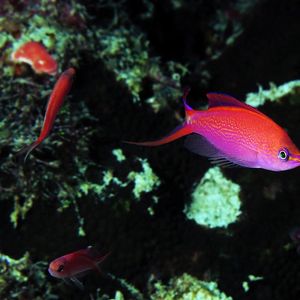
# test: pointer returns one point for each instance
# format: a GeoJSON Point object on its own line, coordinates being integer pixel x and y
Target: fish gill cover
{"type": "Point", "coordinates": [83, 186]}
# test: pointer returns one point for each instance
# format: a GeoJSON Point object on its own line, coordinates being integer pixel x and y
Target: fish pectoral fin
{"type": "Point", "coordinates": [201, 146]}
{"type": "Point", "coordinates": [83, 273]}
{"type": "Point", "coordinates": [93, 265]}
{"type": "Point", "coordinates": [77, 282]}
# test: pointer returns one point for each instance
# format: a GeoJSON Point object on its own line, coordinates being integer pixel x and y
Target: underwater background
{"type": "Point", "coordinates": [174, 225]}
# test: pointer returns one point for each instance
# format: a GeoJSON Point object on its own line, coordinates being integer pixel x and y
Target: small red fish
{"type": "Point", "coordinates": [76, 264]}
{"type": "Point", "coordinates": [36, 55]}
{"type": "Point", "coordinates": [231, 132]}
{"type": "Point", "coordinates": [60, 91]}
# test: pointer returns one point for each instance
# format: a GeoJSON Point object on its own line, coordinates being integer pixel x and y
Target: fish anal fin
{"type": "Point", "coordinates": [219, 99]}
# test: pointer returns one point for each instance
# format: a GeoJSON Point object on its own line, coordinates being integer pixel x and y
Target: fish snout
{"type": "Point", "coordinates": [52, 272]}
{"type": "Point", "coordinates": [294, 159]}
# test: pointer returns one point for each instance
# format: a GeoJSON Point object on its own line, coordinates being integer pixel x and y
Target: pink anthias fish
{"type": "Point", "coordinates": [231, 132]}
{"type": "Point", "coordinates": [76, 264]}
{"type": "Point", "coordinates": [59, 93]}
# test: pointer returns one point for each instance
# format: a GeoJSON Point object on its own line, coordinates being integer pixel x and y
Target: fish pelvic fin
{"type": "Point", "coordinates": [27, 149]}
{"type": "Point", "coordinates": [77, 283]}
{"type": "Point", "coordinates": [179, 132]}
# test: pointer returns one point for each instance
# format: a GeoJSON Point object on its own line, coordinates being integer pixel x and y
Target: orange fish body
{"type": "Point", "coordinates": [232, 132]}
{"type": "Point", "coordinates": [36, 55]}
{"type": "Point", "coordinates": [75, 264]}
{"type": "Point", "coordinates": [60, 91]}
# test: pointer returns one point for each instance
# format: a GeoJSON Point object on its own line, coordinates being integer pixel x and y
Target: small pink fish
{"type": "Point", "coordinates": [36, 55]}
{"type": "Point", "coordinates": [60, 91]}
{"type": "Point", "coordinates": [76, 264]}
{"type": "Point", "coordinates": [231, 132]}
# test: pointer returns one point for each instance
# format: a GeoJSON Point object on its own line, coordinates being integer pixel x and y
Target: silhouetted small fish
{"type": "Point", "coordinates": [76, 264]}
{"type": "Point", "coordinates": [231, 132]}
{"type": "Point", "coordinates": [295, 237]}
{"type": "Point", "coordinates": [60, 91]}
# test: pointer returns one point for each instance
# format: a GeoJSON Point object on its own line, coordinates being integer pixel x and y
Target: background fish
{"type": "Point", "coordinates": [72, 265]}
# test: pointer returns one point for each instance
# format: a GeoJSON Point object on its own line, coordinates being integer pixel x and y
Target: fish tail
{"type": "Point", "coordinates": [27, 149]}
{"type": "Point", "coordinates": [188, 110]}
{"type": "Point", "coordinates": [179, 132]}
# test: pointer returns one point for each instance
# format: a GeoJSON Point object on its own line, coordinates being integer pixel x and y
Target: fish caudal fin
{"type": "Point", "coordinates": [188, 110]}
{"type": "Point", "coordinates": [179, 132]}
{"type": "Point", "coordinates": [28, 149]}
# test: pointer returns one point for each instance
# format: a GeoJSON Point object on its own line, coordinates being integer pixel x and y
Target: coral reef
{"type": "Point", "coordinates": [83, 186]}
{"type": "Point", "coordinates": [275, 93]}
{"type": "Point", "coordinates": [186, 287]}
{"type": "Point", "coordinates": [215, 201]}
{"type": "Point", "coordinates": [22, 279]}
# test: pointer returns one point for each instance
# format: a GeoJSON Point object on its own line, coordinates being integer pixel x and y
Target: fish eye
{"type": "Point", "coordinates": [60, 268]}
{"type": "Point", "coordinates": [283, 154]}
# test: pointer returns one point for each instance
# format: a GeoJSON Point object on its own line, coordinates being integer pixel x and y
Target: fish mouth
{"type": "Point", "coordinates": [51, 272]}
{"type": "Point", "coordinates": [295, 157]}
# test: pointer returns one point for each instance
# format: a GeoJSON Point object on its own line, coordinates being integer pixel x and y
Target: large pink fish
{"type": "Point", "coordinates": [231, 132]}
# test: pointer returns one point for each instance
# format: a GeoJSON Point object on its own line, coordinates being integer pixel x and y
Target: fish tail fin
{"type": "Point", "coordinates": [179, 132]}
{"type": "Point", "coordinates": [100, 260]}
{"type": "Point", "coordinates": [188, 110]}
{"type": "Point", "coordinates": [27, 149]}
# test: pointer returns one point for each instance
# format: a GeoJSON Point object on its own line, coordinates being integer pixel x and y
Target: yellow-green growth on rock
{"type": "Point", "coordinates": [274, 93]}
{"type": "Point", "coordinates": [187, 287]}
{"type": "Point", "coordinates": [215, 201]}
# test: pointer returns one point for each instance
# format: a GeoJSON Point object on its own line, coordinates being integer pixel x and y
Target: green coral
{"type": "Point", "coordinates": [215, 200]}
{"type": "Point", "coordinates": [125, 51]}
{"type": "Point", "coordinates": [275, 93]}
{"type": "Point", "coordinates": [186, 287]}
{"type": "Point", "coordinates": [144, 181]}
{"type": "Point", "coordinates": [251, 278]}
{"type": "Point", "coordinates": [118, 153]}
{"type": "Point", "coordinates": [22, 279]}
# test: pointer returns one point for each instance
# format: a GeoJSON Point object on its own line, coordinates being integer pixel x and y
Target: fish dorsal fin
{"type": "Point", "coordinates": [219, 99]}
{"type": "Point", "coordinates": [92, 252]}
{"type": "Point", "coordinates": [93, 255]}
